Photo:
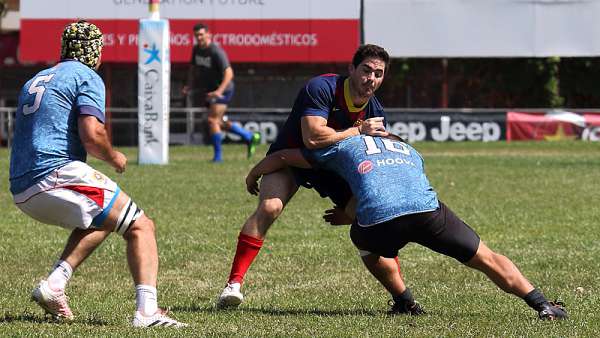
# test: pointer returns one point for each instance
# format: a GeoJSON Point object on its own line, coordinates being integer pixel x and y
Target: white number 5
{"type": "Point", "coordinates": [38, 91]}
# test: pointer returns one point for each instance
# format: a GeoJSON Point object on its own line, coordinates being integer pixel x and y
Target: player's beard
{"type": "Point", "coordinates": [366, 90]}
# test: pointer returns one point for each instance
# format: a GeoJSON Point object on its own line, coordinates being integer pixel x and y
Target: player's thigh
{"type": "Point", "coordinates": [279, 185]}
{"type": "Point", "coordinates": [447, 234]}
{"type": "Point", "coordinates": [379, 239]}
{"type": "Point", "coordinates": [216, 111]}
{"type": "Point", "coordinates": [124, 214]}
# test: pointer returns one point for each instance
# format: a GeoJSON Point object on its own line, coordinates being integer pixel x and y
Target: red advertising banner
{"type": "Point", "coordinates": [248, 30]}
{"type": "Point", "coordinates": [323, 40]}
{"type": "Point", "coordinates": [552, 126]}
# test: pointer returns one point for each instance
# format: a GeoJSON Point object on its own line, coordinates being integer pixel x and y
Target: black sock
{"type": "Point", "coordinates": [405, 297]}
{"type": "Point", "coordinates": [535, 299]}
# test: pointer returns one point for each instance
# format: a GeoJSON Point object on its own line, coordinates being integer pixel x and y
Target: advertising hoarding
{"type": "Point", "coordinates": [248, 30]}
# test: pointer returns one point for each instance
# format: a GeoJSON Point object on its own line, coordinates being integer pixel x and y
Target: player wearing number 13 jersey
{"type": "Point", "coordinates": [368, 164]}
{"type": "Point", "coordinates": [396, 205]}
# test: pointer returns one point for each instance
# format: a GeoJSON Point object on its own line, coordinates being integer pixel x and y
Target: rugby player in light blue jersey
{"type": "Point", "coordinates": [395, 205]}
{"type": "Point", "coordinates": [327, 109]}
{"type": "Point", "coordinates": [59, 119]}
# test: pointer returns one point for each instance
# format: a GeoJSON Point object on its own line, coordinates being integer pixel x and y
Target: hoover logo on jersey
{"type": "Point", "coordinates": [365, 167]}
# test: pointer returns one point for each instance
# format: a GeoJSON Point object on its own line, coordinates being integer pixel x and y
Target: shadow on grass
{"type": "Point", "coordinates": [278, 312]}
{"type": "Point", "coordinates": [47, 319]}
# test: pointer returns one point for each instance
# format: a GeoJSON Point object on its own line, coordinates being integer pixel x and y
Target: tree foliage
{"type": "Point", "coordinates": [493, 83]}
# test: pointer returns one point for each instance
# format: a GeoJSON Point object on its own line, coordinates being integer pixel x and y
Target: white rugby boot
{"type": "Point", "coordinates": [53, 302]}
{"type": "Point", "coordinates": [231, 296]}
{"type": "Point", "coordinates": [158, 319]}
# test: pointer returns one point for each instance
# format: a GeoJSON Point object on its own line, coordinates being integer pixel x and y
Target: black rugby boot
{"type": "Point", "coordinates": [553, 311]}
{"type": "Point", "coordinates": [413, 309]}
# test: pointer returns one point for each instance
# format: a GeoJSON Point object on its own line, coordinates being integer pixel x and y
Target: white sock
{"type": "Point", "coordinates": [146, 299]}
{"type": "Point", "coordinates": [60, 275]}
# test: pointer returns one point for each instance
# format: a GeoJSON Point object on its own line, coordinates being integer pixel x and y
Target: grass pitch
{"type": "Point", "coordinates": [533, 202]}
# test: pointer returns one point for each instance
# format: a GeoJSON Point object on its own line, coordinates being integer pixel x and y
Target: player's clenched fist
{"type": "Point", "coordinates": [119, 161]}
{"type": "Point", "coordinates": [373, 126]}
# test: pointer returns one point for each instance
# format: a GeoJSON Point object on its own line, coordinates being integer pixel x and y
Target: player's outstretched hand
{"type": "Point", "coordinates": [252, 183]}
{"type": "Point", "coordinates": [119, 161]}
{"type": "Point", "coordinates": [337, 216]}
{"type": "Point", "coordinates": [373, 126]}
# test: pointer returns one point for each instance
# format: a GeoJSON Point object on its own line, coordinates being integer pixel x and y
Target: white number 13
{"type": "Point", "coordinates": [389, 145]}
{"type": "Point", "coordinates": [38, 91]}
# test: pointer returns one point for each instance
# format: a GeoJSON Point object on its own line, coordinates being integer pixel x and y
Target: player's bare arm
{"type": "Point", "coordinates": [185, 90]}
{"type": "Point", "coordinates": [95, 140]}
{"type": "Point", "coordinates": [274, 162]}
{"type": "Point", "coordinates": [316, 134]}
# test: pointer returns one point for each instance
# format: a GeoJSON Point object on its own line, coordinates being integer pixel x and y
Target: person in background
{"type": "Point", "coordinates": [211, 77]}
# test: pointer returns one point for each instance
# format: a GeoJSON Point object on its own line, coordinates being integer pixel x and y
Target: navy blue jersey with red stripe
{"type": "Point", "coordinates": [326, 96]}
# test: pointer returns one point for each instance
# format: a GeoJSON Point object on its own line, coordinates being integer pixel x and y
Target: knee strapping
{"type": "Point", "coordinates": [128, 215]}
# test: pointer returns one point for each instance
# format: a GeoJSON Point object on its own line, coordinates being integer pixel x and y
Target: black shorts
{"type": "Point", "coordinates": [439, 230]}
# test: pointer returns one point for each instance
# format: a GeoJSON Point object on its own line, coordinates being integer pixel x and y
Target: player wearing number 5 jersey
{"type": "Point", "coordinates": [397, 205]}
{"type": "Point", "coordinates": [46, 135]}
{"type": "Point", "coordinates": [59, 120]}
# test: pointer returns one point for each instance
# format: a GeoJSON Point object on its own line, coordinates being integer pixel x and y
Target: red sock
{"type": "Point", "coordinates": [399, 269]}
{"type": "Point", "coordinates": [247, 249]}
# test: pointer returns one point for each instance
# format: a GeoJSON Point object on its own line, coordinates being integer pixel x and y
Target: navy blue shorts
{"type": "Point", "coordinates": [439, 230]}
{"type": "Point", "coordinates": [326, 183]}
{"type": "Point", "coordinates": [225, 99]}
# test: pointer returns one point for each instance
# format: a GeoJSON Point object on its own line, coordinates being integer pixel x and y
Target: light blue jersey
{"type": "Point", "coordinates": [46, 135]}
{"type": "Point", "coordinates": [387, 177]}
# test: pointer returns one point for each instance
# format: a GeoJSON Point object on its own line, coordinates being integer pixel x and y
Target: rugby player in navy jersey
{"type": "Point", "coordinates": [59, 120]}
{"type": "Point", "coordinates": [329, 108]}
{"type": "Point", "coordinates": [397, 205]}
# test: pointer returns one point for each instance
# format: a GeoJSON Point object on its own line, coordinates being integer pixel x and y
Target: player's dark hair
{"type": "Point", "coordinates": [200, 26]}
{"type": "Point", "coordinates": [371, 51]}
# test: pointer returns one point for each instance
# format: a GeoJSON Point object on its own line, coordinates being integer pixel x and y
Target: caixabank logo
{"type": "Point", "coordinates": [153, 53]}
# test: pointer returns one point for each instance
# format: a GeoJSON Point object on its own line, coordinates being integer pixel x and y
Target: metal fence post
{"type": "Point", "coordinates": [189, 129]}
{"type": "Point", "coordinates": [9, 131]}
